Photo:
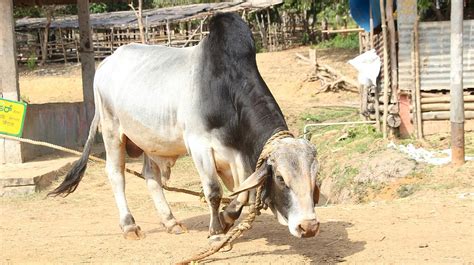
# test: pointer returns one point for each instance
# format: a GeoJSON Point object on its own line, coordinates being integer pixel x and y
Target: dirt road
{"type": "Point", "coordinates": [432, 226]}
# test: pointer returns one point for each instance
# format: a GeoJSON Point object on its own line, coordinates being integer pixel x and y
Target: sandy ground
{"type": "Point", "coordinates": [433, 226]}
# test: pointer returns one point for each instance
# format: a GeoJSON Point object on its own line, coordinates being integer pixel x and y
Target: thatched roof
{"type": "Point", "coordinates": [59, 2]}
{"type": "Point", "coordinates": [152, 17]}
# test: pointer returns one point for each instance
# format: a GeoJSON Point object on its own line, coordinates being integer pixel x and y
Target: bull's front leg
{"type": "Point", "coordinates": [233, 211]}
{"type": "Point", "coordinates": [204, 162]}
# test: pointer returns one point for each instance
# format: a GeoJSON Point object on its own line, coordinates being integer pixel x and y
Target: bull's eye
{"type": "Point", "coordinates": [280, 180]}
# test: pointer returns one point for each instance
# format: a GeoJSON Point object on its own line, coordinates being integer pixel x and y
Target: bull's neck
{"type": "Point", "coordinates": [261, 117]}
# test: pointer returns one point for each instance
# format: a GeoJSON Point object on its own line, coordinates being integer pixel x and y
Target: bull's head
{"type": "Point", "coordinates": [290, 188]}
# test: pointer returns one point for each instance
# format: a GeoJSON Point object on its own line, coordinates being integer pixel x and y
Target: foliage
{"type": "Point", "coordinates": [31, 62]}
{"type": "Point", "coordinates": [350, 41]}
{"type": "Point", "coordinates": [33, 11]}
{"type": "Point", "coordinates": [98, 7]}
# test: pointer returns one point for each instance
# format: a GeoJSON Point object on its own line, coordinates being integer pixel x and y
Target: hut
{"type": "Point", "coordinates": [177, 26]}
{"type": "Point", "coordinates": [418, 60]}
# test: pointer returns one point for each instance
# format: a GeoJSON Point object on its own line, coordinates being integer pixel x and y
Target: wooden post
{"type": "Point", "coordinates": [457, 99]}
{"type": "Point", "coordinates": [60, 38]}
{"type": "Point", "coordinates": [10, 151]}
{"type": "Point", "coordinates": [269, 34]}
{"type": "Point", "coordinates": [377, 107]}
{"type": "Point", "coordinates": [146, 30]}
{"type": "Point", "coordinates": [44, 45]}
{"type": "Point", "coordinates": [419, 117]}
{"type": "Point", "coordinates": [385, 69]}
{"type": "Point", "coordinates": [413, 90]}
{"type": "Point", "coordinates": [168, 32]}
{"type": "Point", "coordinates": [200, 29]}
{"type": "Point", "coordinates": [86, 54]}
{"type": "Point", "coordinates": [393, 51]}
{"type": "Point", "coordinates": [371, 32]}
{"type": "Point", "coordinates": [112, 38]}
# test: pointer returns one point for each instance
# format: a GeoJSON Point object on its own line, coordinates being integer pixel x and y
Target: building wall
{"type": "Point", "coordinates": [434, 49]}
{"type": "Point", "coordinates": [62, 124]}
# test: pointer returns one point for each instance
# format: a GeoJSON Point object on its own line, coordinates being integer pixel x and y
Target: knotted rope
{"type": "Point", "coordinates": [254, 209]}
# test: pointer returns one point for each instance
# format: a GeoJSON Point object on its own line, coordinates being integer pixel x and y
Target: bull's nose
{"type": "Point", "coordinates": [309, 228]}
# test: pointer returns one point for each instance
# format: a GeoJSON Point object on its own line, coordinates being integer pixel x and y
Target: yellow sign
{"type": "Point", "coordinates": [12, 117]}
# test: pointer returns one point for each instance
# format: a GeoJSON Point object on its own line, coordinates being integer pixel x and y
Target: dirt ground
{"type": "Point", "coordinates": [434, 225]}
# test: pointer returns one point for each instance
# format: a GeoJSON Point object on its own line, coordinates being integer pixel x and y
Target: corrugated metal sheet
{"type": "Point", "coordinates": [435, 64]}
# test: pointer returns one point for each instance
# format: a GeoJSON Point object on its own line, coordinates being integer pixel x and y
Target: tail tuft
{"type": "Point", "coordinates": [72, 179]}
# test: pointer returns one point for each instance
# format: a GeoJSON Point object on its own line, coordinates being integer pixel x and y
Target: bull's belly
{"type": "Point", "coordinates": [160, 141]}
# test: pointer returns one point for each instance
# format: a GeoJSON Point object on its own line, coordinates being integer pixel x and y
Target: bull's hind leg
{"type": "Point", "coordinates": [153, 176]}
{"type": "Point", "coordinates": [115, 166]}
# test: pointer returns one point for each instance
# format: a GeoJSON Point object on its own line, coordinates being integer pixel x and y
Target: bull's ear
{"type": "Point", "coordinates": [316, 194]}
{"type": "Point", "coordinates": [253, 180]}
{"type": "Point", "coordinates": [314, 173]}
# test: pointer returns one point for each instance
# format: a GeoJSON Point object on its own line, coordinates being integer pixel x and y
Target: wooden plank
{"type": "Point", "coordinates": [444, 99]}
{"type": "Point", "coordinates": [445, 106]}
{"type": "Point", "coordinates": [444, 115]}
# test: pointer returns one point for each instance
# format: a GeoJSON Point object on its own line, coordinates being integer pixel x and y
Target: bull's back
{"type": "Point", "coordinates": [144, 87]}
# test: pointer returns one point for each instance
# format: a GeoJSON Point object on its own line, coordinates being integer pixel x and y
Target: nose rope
{"type": "Point", "coordinates": [254, 208]}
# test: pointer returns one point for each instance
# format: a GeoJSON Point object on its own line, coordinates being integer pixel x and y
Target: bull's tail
{"type": "Point", "coordinates": [74, 176]}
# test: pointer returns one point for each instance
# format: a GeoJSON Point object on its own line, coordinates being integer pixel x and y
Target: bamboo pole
{"type": "Point", "coordinates": [457, 99]}
{"type": "Point", "coordinates": [331, 31]}
{"type": "Point", "coordinates": [417, 81]}
{"type": "Point", "coordinates": [385, 69]}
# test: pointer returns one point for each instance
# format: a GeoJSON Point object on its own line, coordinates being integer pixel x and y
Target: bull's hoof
{"type": "Point", "coordinates": [177, 229]}
{"type": "Point", "coordinates": [226, 225]}
{"type": "Point", "coordinates": [216, 240]}
{"type": "Point", "coordinates": [133, 232]}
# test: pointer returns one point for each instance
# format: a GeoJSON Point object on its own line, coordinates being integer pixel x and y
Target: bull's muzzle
{"type": "Point", "coordinates": [309, 228]}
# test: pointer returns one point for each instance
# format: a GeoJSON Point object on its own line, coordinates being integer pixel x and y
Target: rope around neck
{"type": "Point", "coordinates": [254, 209]}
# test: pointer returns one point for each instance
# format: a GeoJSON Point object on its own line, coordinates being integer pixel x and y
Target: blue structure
{"type": "Point", "coordinates": [360, 12]}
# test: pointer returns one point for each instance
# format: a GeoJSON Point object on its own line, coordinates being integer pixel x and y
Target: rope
{"type": "Point", "coordinates": [255, 207]}
{"type": "Point", "coordinates": [238, 230]}
{"type": "Point", "coordinates": [100, 160]}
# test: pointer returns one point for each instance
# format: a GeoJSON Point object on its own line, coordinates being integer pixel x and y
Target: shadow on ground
{"type": "Point", "coordinates": [332, 245]}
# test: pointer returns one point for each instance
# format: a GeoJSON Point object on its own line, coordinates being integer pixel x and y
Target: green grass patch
{"type": "Point", "coordinates": [349, 41]}
{"type": "Point", "coordinates": [329, 114]}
